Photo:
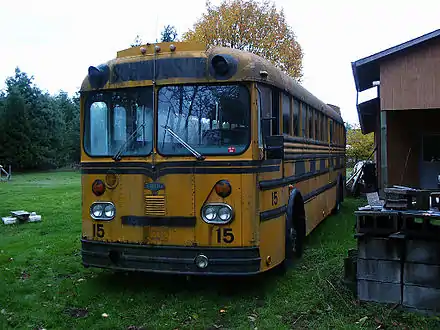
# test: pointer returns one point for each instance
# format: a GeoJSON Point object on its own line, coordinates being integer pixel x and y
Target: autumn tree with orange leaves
{"type": "Point", "coordinates": [253, 26]}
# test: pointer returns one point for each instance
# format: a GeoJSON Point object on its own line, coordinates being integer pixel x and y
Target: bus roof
{"type": "Point", "coordinates": [182, 62]}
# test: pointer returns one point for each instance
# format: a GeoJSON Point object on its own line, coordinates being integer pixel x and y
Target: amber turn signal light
{"type": "Point", "coordinates": [223, 188]}
{"type": "Point", "coordinates": [98, 187]}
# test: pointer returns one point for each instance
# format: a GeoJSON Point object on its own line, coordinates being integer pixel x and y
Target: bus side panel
{"type": "Point", "coordinates": [272, 226]}
{"type": "Point", "coordinates": [272, 242]}
{"type": "Point", "coordinates": [250, 224]}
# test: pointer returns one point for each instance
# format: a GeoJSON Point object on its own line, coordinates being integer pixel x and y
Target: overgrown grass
{"type": "Point", "coordinates": [43, 284]}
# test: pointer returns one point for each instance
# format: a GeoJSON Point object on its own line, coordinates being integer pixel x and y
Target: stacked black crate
{"type": "Point", "coordinates": [380, 256]}
{"type": "Point", "coordinates": [421, 272]}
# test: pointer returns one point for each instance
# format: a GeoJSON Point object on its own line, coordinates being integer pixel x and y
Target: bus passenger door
{"type": "Point", "coordinates": [272, 202]}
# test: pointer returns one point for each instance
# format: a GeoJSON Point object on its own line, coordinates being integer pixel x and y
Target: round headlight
{"type": "Point", "coordinates": [109, 211]}
{"type": "Point", "coordinates": [225, 214]}
{"type": "Point", "coordinates": [210, 213]}
{"type": "Point", "coordinates": [97, 210]}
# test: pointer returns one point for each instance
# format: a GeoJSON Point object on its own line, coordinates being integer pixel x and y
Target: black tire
{"type": "Point", "coordinates": [295, 231]}
{"type": "Point", "coordinates": [339, 198]}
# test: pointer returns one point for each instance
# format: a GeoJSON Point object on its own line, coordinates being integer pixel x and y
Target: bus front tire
{"type": "Point", "coordinates": [295, 227]}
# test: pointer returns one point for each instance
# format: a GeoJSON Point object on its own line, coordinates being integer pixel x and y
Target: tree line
{"type": "Point", "coordinates": [37, 130]}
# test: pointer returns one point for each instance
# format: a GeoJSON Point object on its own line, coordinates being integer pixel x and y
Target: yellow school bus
{"type": "Point", "coordinates": [201, 160]}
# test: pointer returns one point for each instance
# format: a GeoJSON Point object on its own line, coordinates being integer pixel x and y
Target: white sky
{"type": "Point", "coordinates": [57, 41]}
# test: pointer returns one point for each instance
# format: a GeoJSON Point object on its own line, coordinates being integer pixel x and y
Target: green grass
{"type": "Point", "coordinates": [43, 285]}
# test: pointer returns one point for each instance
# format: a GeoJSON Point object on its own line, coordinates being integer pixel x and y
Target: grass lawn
{"type": "Point", "coordinates": [43, 285]}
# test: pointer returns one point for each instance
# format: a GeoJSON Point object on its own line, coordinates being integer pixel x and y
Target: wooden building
{"type": "Point", "coordinates": [405, 115]}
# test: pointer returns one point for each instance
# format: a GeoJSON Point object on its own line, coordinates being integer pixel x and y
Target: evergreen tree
{"type": "Point", "coordinates": [37, 130]}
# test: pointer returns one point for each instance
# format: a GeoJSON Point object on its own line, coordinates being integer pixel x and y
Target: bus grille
{"type": "Point", "coordinates": [155, 205]}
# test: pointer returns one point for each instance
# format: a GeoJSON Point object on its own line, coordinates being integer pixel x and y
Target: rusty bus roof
{"type": "Point", "coordinates": [189, 63]}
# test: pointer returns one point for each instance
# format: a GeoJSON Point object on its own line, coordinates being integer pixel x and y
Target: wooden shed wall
{"type": "Point", "coordinates": [412, 80]}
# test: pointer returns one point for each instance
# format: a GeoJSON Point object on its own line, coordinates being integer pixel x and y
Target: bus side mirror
{"type": "Point", "coordinates": [274, 147]}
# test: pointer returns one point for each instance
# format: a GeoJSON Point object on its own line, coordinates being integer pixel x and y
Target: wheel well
{"type": "Point", "coordinates": [298, 206]}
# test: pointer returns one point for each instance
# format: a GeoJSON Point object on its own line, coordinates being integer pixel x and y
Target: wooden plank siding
{"type": "Point", "coordinates": [411, 80]}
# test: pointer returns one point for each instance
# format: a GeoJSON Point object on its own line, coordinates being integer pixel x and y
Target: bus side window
{"type": "Point", "coordinates": [265, 112]}
{"type": "Point", "coordinates": [275, 112]}
{"type": "Point", "coordinates": [310, 119]}
{"type": "Point", "coordinates": [287, 118]}
{"type": "Point", "coordinates": [331, 131]}
{"type": "Point", "coordinates": [295, 117]}
{"type": "Point", "coordinates": [303, 120]}
{"type": "Point", "coordinates": [316, 118]}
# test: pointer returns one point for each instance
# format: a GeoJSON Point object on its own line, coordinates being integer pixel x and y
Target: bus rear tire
{"type": "Point", "coordinates": [339, 197]}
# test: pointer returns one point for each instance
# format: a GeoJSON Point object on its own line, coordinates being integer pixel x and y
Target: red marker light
{"type": "Point", "coordinates": [98, 187]}
{"type": "Point", "coordinates": [223, 188]}
{"type": "Point", "coordinates": [231, 149]}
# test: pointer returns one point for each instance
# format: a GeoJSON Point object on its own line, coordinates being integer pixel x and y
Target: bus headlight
{"type": "Point", "coordinates": [225, 213]}
{"type": "Point", "coordinates": [209, 213]}
{"type": "Point", "coordinates": [217, 213]}
{"type": "Point", "coordinates": [109, 211]}
{"type": "Point", "coordinates": [102, 211]}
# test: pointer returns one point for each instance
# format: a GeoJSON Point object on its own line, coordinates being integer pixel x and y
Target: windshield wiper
{"type": "Point", "coordinates": [196, 154]}
{"type": "Point", "coordinates": [118, 154]}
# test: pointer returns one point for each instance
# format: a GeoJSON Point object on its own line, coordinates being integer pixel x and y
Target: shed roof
{"type": "Point", "coordinates": [367, 69]}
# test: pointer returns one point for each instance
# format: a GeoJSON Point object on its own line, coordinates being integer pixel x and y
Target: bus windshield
{"type": "Point", "coordinates": [212, 119]}
{"type": "Point", "coordinates": [113, 117]}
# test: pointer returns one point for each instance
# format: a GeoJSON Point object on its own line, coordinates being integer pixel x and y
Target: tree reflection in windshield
{"type": "Point", "coordinates": [214, 119]}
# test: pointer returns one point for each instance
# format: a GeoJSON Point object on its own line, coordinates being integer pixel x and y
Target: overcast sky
{"type": "Point", "coordinates": [57, 41]}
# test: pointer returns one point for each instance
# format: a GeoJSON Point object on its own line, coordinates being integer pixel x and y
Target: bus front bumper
{"type": "Point", "coordinates": [170, 259]}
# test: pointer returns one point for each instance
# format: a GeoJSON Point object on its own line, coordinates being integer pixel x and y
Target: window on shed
{"type": "Point", "coordinates": [295, 117]}
{"type": "Point", "coordinates": [431, 150]}
{"type": "Point", "coordinates": [287, 118]}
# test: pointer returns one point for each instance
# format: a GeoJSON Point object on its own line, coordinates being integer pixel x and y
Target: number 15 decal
{"type": "Point", "coordinates": [275, 198]}
{"type": "Point", "coordinates": [98, 230]}
{"type": "Point", "coordinates": [225, 235]}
